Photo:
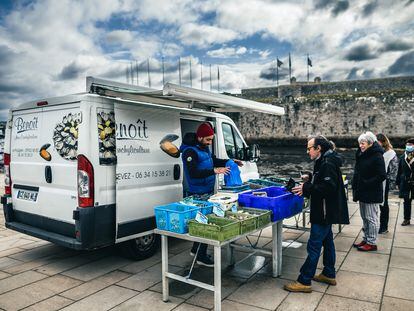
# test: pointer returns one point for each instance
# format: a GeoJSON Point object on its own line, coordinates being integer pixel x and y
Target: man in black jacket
{"type": "Point", "coordinates": [328, 205]}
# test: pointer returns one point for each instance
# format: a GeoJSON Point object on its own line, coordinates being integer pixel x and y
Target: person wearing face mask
{"type": "Point", "coordinates": [405, 179]}
{"type": "Point", "coordinates": [367, 188]}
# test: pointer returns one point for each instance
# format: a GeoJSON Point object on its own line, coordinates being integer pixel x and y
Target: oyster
{"type": "Point", "coordinates": [168, 147]}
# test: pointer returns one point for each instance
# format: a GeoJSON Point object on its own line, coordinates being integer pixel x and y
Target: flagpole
{"type": "Point", "coordinates": [148, 70]}
{"type": "Point", "coordinates": [163, 71]}
{"type": "Point", "coordinates": [127, 74]}
{"type": "Point", "coordinates": [179, 69]}
{"type": "Point", "coordinates": [277, 71]}
{"type": "Point", "coordinates": [218, 79]}
{"type": "Point", "coordinates": [132, 73]}
{"type": "Point", "coordinates": [201, 74]}
{"type": "Point", "coordinates": [136, 67]}
{"type": "Point", "coordinates": [191, 75]}
{"type": "Point", "coordinates": [210, 78]}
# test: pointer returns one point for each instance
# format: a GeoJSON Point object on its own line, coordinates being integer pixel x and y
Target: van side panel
{"type": "Point", "coordinates": [149, 169]}
{"type": "Point", "coordinates": [43, 161]}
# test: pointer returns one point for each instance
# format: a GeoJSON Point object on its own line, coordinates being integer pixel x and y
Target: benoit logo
{"type": "Point", "coordinates": [137, 131]}
{"type": "Point", "coordinates": [26, 125]}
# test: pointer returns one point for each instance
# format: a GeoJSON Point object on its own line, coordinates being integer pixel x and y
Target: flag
{"type": "Point", "coordinates": [309, 62]}
{"type": "Point", "coordinates": [279, 62]}
{"type": "Point", "coordinates": [290, 62]}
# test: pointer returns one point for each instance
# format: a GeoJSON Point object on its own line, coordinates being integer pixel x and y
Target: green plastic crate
{"type": "Point", "coordinates": [263, 217]}
{"type": "Point", "coordinates": [219, 229]}
{"type": "Point", "coordinates": [246, 225]}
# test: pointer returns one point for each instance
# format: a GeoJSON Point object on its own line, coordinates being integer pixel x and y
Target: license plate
{"type": "Point", "coordinates": [27, 195]}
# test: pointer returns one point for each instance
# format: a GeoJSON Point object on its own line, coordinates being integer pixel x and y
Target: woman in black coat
{"type": "Point", "coordinates": [367, 187]}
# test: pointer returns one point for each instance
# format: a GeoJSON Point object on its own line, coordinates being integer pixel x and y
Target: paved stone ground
{"type": "Point", "coordinates": [37, 275]}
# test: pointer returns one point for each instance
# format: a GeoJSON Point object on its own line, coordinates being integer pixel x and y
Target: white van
{"type": "Point", "coordinates": [86, 170]}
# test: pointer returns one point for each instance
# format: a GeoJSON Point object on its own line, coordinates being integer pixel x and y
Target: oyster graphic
{"type": "Point", "coordinates": [168, 147]}
{"type": "Point", "coordinates": [65, 137]}
{"type": "Point", "coordinates": [44, 153]}
{"type": "Point", "coordinates": [106, 133]}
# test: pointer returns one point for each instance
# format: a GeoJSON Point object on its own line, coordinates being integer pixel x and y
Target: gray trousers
{"type": "Point", "coordinates": [369, 214]}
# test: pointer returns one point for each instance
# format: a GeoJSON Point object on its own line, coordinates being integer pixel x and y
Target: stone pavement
{"type": "Point", "coordinates": [37, 275]}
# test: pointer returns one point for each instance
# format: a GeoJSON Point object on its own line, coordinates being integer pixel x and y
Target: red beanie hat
{"type": "Point", "coordinates": [205, 130]}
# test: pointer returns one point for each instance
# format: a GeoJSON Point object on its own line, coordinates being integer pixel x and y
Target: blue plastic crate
{"type": "Point", "coordinates": [175, 216]}
{"type": "Point", "coordinates": [282, 203]}
{"type": "Point", "coordinates": [205, 206]}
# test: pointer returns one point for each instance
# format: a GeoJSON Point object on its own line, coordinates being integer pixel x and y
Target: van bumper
{"type": "Point", "coordinates": [55, 238]}
{"type": "Point", "coordinates": [94, 227]}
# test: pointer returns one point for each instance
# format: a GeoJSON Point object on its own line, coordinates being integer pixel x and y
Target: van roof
{"type": "Point", "coordinates": [171, 97]}
{"type": "Point", "coordinates": [74, 98]}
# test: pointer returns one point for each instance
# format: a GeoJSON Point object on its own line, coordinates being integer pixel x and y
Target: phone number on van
{"type": "Point", "coordinates": [144, 174]}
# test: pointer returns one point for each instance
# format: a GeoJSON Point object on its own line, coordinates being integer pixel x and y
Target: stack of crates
{"type": "Point", "coordinates": [174, 217]}
{"type": "Point", "coordinates": [281, 202]}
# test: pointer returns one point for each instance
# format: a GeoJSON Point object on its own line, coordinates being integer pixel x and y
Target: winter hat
{"type": "Point", "coordinates": [205, 130]}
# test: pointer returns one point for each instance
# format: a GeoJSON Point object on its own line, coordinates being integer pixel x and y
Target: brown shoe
{"type": "Point", "coordinates": [324, 279]}
{"type": "Point", "coordinates": [298, 287]}
{"type": "Point", "coordinates": [362, 243]}
{"type": "Point", "coordinates": [368, 248]}
{"type": "Point", "coordinates": [406, 222]}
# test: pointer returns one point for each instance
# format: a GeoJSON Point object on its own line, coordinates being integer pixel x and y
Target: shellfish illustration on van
{"type": "Point", "coordinates": [65, 136]}
{"type": "Point", "coordinates": [167, 145]}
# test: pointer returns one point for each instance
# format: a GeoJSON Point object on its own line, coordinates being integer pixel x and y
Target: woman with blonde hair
{"type": "Point", "coordinates": [369, 174]}
{"type": "Point", "coordinates": [391, 167]}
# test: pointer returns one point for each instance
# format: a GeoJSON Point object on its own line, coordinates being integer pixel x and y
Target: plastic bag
{"type": "Point", "coordinates": [233, 178]}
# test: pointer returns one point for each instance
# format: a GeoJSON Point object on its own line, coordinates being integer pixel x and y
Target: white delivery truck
{"type": "Point", "coordinates": [85, 171]}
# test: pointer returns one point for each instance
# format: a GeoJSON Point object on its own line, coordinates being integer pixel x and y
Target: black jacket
{"type": "Point", "coordinates": [405, 178]}
{"type": "Point", "coordinates": [328, 203]}
{"type": "Point", "coordinates": [369, 174]}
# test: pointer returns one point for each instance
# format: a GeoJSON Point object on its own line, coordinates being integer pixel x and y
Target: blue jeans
{"type": "Point", "coordinates": [320, 235]}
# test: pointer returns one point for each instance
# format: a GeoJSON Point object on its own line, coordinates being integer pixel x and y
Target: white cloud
{"type": "Point", "coordinates": [227, 52]}
{"type": "Point", "coordinates": [48, 47]}
{"type": "Point", "coordinates": [119, 37]}
{"type": "Point", "coordinates": [205, 35]}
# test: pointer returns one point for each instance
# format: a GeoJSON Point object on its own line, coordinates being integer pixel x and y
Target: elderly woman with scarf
{"type": "Point", "coordinates": [391, 167]}
{"type": "Point", "coordinates": [367, 188]}
{"type": "Point", "coordinates": [405, 179]}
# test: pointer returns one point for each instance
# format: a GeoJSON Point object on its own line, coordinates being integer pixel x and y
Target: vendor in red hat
{"type": "Point", "coordinates": [200, 169]}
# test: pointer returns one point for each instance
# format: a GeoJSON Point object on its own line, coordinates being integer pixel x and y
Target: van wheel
{"type": "Point", "coordinates": [142, 247]}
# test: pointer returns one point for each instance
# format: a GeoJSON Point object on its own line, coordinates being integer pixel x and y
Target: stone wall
{"type": "Point", "coordinates": [340, 117]}
{"type": "Point", "coordinates": [350, 87]}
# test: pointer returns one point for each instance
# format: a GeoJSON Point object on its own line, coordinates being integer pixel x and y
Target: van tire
{"type": "Point", "coordinates": [142, 247]}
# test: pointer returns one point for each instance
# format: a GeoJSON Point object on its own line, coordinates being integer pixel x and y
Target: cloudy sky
{"type": "Point", "coordinates": [48, 47]}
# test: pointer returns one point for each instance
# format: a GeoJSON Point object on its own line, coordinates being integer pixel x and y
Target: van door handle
{"type": "Point", "coordinates": [48, 174]}
{"type": "Point", "coordinates": [177, 172]}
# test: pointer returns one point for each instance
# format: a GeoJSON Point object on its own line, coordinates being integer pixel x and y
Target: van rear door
{"type": "Point", "coordinates": [149, 169]}
{"type": "Point", "coordinates": [44, 168]}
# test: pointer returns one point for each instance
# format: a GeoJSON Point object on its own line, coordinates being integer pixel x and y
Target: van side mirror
{"type": "Point", "coordinates": [253, 153]}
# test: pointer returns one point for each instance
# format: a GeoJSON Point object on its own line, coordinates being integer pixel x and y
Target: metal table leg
{"type": "Point", "coordinates": [274, 251]}
{"type": "Point", "coordinates": [279, 226]}
{"type": "Point", "coordinates": [230, 255]}
{"type": "Point", "coordinates": [164, 268]}
{"type": "Point", "coordinates": [277, 249]}
{"type": "Point", "coordinates": [217, 278]}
